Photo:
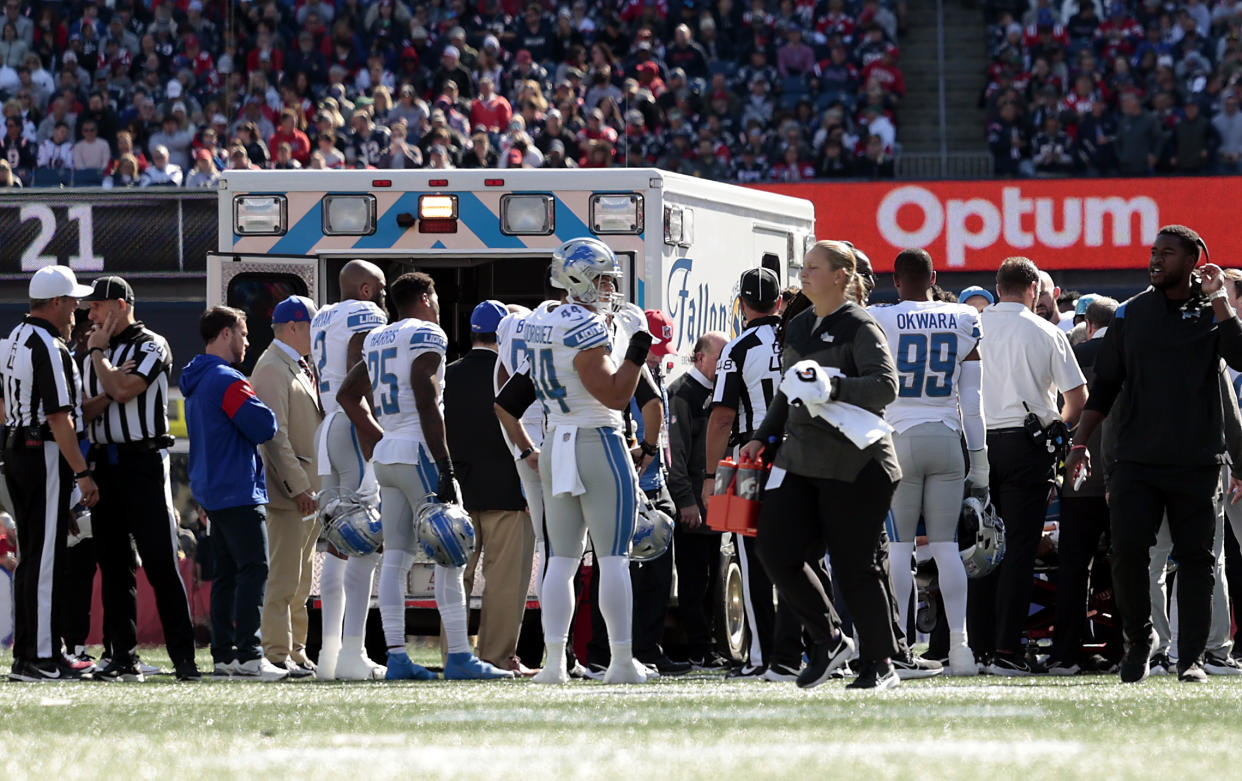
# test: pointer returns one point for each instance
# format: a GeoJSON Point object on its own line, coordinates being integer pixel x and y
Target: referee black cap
{"type": "Point", "coordinates": [760, 287]}
{"type": "Point", "coordinates": [111, 288]}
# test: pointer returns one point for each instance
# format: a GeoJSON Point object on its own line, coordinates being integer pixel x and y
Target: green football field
{"type": "Point", "coordinates": [693, 727]}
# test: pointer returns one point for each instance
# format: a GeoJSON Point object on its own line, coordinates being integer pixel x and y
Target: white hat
{"type": "Point", "coordinates": [451, 51]}
{"type": "Point", "coordinates": [174, 89]}
{"type": "Point", "coordinates": [53, 281]}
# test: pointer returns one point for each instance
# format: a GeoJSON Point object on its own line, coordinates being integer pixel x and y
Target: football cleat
{"type": "Point", "coordinates": [466, 666]}
{"type": "Point", "coordinates": [626, 671]}
{"type": "Point", "coordinates": [402, 668]}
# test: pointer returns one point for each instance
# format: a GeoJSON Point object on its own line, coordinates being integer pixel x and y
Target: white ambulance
{"type": "Point", "coordinates": [489, 233]}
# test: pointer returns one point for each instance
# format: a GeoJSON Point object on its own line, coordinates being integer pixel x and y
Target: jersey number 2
{"type": "Point", "coordinates": [321, 347]}
{"type": "Point", "coordinates": [377, 367]}
{"type": "Point", "coordinates": [926, 365]}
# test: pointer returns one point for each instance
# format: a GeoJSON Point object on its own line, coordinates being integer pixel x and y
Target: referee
{"type": "Point", "coordinates": [1164, 349]}
{"type": "Point", "coordinates": [42, 461]}
{"type": "Point", "coordinates": [747, 377]}
{"type": "Point", "coordinates": [125, 381]}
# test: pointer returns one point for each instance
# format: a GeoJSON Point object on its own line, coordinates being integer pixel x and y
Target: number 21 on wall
{"type": "Point", "coordinates": [85, 260]}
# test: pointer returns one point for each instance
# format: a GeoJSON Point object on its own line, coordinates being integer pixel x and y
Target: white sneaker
{"type": "Point", "coordinates": [552, 674]}
{"type": "Point", "coordinates": [328, 655]}
{"type": "Point", "coordinates": [224, 670]}
{"type": "Point", "coordinates": [779, 673]}
{"type": "Point", "coordinates": [260, 670]}
{"type": "Point", "coordinates": [625, 671]}
{"type": "Point", "coordinates": [1214, 664]}
{"type": "Point", "coordinates": [962, 661]}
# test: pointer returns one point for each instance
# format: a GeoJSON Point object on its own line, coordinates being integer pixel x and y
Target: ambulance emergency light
{"type": "Point", "coordinates": [617, 213]}
{"type": "Point", "coordinates": [437, 207]}
{"type": "Point", "coordinates": [259, 215]}
{"type": "Point", "coordinates": [528, 215]}
{"type": "Point", "coordinates": [349, 215]}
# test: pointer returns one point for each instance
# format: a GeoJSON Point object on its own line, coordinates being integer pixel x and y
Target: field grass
{"type": "Point", "coordinates": [693, 727]}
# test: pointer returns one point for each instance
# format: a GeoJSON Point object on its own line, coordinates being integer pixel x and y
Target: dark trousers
{"type": "Point", "coordinates": [39, 483]}
{"type": "Point", "coordinates": [652, 583]}
{"type": "Point", "coordinates": [698, 563]}
{"type": "Point", "coordinates": [806, 517]}
{"type": "Point", "coordinates": [81, 564]}
{"type": "Point", "coordinates": [1233, 573]}
{"type": "Point", "coordinates": [239, 549]}
{"type": "Point", "coordinates": [998, 604]}
{"type": "Point", "coordinates": [1139, 497]}
{"type": "Point", "coordinates": [775, 624]}
{"type": "Point", "coordinates": [135, 512]}
{"type": "Point", "coordinates": [1083, 521]}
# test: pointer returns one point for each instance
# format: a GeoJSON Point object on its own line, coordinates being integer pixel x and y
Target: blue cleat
{"type": "Point", "coordinates": [468, 667]}
{"type": "Point", "coordinates": [401, 668]}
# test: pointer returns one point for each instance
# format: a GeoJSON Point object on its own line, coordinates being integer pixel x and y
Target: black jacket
{"type": "Point", "coordinates": [690, 404]}
{"type": "Point", "coordinates": [1086, 353]}
{"type": "Point", "coordinates": [484, 465]}
{"type": "Point", "coordinates": [850, 340]}
{"type": "Point", "coordinates": [1166, 354]}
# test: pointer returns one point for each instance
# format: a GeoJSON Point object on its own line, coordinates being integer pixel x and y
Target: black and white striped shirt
{"type": "Point", "coordinates": [748, 375]}
{"type": "Point", "coordinates": [39, 374]}
{"type": "Point", "coordinates": [144, 417]}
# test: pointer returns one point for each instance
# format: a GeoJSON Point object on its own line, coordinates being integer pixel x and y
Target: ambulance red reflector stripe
{"type": "Point", "coordinates": [493, 182]}
{"type": "Point", "coordinates": [438, 183]}
{"type": "Point", "coordinates": [437, 226]}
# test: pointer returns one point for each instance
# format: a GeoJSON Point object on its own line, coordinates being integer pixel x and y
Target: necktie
{"type": "Point", "coordinates": [310, 375]}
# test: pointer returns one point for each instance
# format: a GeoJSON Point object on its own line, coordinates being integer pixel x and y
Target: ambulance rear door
{"type": "Point", "coordinates": [255, 284]}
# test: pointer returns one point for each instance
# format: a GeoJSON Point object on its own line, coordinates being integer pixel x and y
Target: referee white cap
{"type": "Point", "coordinates": [54, 281]}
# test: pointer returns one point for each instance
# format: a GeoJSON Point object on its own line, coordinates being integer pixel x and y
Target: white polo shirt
{"type": "Point", "coordinates": [1025, 359]}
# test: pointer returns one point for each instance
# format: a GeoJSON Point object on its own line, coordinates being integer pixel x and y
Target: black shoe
{"type": "Point", "coordinates": [916, 667]}
{"type": "Point", "coordinates": [1135, 664]}
{"type": "Point", "coordinates": [188, 672]}
{"type": "Point", "coordinates": [748, 671]}
{"type": "Point", "coordinates": [666, 666]}
{"type": "Point", "coordinates": [1010, 666]}
{"type": "Point", "coordinates": [708, 662]}
{"type": "Point", "coordinates": [823, 659]}
{"type": "Point", "coordinates": [1191, 673]}
{"type": "Point", "coordinates": [118, 670]}
{"type": "Point", "coordinates": [298, 671]}
{"type": "Point", "coordinates": [38, 671]}
{"type": "Point", "coordinates": [875, 675]}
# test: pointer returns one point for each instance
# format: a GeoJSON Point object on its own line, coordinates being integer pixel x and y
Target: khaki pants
{"type": "Point", "coordinates": [292, 546]}
{"type": "Point", "coordinates": [507, 540]}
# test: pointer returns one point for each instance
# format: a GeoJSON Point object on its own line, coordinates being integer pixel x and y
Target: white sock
{"type": "Point", "coordinates": [899, 557]}
{"type": "Point", "coordinates": [622, 653]}
{"type": "Point", "coordinates": [555, 656]}
{"type": "Point", "coordinates": [359, 575]}
{"type": "Point", "coordinates": [616, 598]}
{"type": "Point", "coordinates": [332, 595]}
{"type": "Point", "coordinates": [952, 577]}
{"type": "Point", "coordinates": [451, 602]}
{"type": "Point", "coordinates": [557, 600]}
{"type": "Point", "coordinates": [393, 572]}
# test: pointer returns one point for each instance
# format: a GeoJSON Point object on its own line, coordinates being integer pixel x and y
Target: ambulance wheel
{"type": "Point", "coordinates": [729, 623]}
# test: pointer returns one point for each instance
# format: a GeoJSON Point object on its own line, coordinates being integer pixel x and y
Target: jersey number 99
{"type": "Point", "coordinates": [926, 364]}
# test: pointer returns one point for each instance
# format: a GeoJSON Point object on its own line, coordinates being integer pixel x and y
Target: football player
{"type": "Point", "coordinates": [935, 346]}
{"type": "Point", "coordinates": [403, 374]}
{"type": "Point", "coordinates": [337, 333]}
{"type": "Point", "coordinates": [585, 470]}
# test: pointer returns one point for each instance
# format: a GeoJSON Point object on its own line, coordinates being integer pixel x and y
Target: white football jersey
{"type": "Point", "coordinates": [555, 334]}
{"type": "Point", "coordinates": [388, 353]}
{"type": "Point", "coordinates": [928, 340]}
{"type": "Point", "coordinates": [331, 331]}
{"type": "Point", "coordinates": [514, 354]}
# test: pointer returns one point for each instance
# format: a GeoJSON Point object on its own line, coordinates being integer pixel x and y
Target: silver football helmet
{"type": "Point", "coordinates": [980, 537]}
{"type": "Point", "coordinates": [578, 265]}
{"type": "Point", "coordinates": [350, 522]}
{"type": "Point", "coordinates": [653, 531]}
{"type": "Point", "coordinates": [445, 532]}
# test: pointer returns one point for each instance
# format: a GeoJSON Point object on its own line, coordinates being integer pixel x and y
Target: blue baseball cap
{"type": "Point", "coordinates": [1084, 301]}
{"type": "Point", "coordinates": [487, 316]}
{"type": "Point", "coordinates": [294, 309]}
{"type": "Point", "coordinates": [975, 290]}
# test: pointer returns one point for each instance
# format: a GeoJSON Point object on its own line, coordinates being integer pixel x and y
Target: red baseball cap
{"type": "Point", "coordinates": [661, 328]}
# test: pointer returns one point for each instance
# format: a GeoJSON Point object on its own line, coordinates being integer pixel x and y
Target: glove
{"type": "Point", "coordinates": [640, 344]}
{"type": "Point", "coordinates": [977, 477]}
{"type": "Point", "coordinates": [447, 490]}
{"type": "Point", "coordinates": [630, 318]}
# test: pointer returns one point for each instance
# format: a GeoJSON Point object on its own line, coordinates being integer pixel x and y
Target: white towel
{"type": "Point", "coordinates": [857, 424]}
{"type": "Point", "coordinates": [565, 478]}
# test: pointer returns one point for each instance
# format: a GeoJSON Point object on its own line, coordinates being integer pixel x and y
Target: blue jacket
{"type": "Point", "coordinates": [226, 423]}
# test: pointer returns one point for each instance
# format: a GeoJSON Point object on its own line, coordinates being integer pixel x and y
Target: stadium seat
{"type": "Point", "coordinates": [794, 85]}
{"type": "Point", "coordinates": [87, 177]}
{"type": "Point", "coordinates": [50, 177]}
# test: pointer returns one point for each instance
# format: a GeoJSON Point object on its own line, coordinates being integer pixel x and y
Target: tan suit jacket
{"type": "Point", "coordinates": [288, 457]}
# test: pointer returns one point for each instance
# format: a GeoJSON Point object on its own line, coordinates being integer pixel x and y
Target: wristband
{"type": "Point", "coordinates": [640, 344]}
{"type": "Point", "coordinates": [84, 473]}
{"type": "Point", "coordinates": [444, 467]}
{"type": "Point", "coordinates": [709, 475]}
{"type": "Point", "coordinates": [93, 349]}
{"type": "Point", "coordinates": [525, 454]}
{"type": "Point", "coordinates": [1077, 447]}
{"type": "Point", "coordinates": [648, 448]}
{"type": "Point", "coordinates": [1218, 294]}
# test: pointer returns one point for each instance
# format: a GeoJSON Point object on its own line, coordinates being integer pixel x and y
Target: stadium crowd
{"type": "Point", "coordinates": [168, 94]}
{"type": "Point", "coordinates": [1114, 87]}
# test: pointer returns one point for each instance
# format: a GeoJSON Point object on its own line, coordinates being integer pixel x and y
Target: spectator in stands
{"type": "Point", "coordinates": [795, 58]}
{"type": "Point", "coordinates": [1194, 141]}
{"type": "Point", "coordinates": [7, 179]}
{"type": "Point", "coordinates": [326, 148]}
{"type": "Point", "coordinates": [19, 152]}
{"type": "Point", "coordinates": [239, 159]}
{"type": "Point", "coordinates": [251, 138]}
{"type": "Point", "coordinates": [1053, 149]}
{"type": "Point", "coordinates": [490, 110]}
{"type": "Point", "coordinates": [480, 154]}
{"type": "Point", "coordinates": [1138, 138]}
{"type": "Point", "coordinates": [288, 133]}
{"type": "Point", "coordinates": [125, 146]}
{"type": "Point", "coordinates": [12, 48]}
{"type": "Point", "coordinates": [875, 163]}
{"type": "Point", "coordinates": [58, 112]}
{"type": "Point", "coordinates": [1228, 124]}
{"type": "Point", "coordinates": [204, 173]}
{"type": "Point", "coordinates": [284, 158]}
{"type": "Point", "coordinates": [92, 152]}
{"type": "Point", "coordinates": [175, 138]}
{"type": "Point", "coordinates": [401, 153]}
{"type": "Point", "coordinates": [56, 153]}
{"type": "Point", "coordinates": [438, 157]}
{"type": "Point", "coordinates": [161, 172]}
{"type": "Point", "coordinates": [124, 174]}
{"type": "Point", "coordinates": [452, 70]}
